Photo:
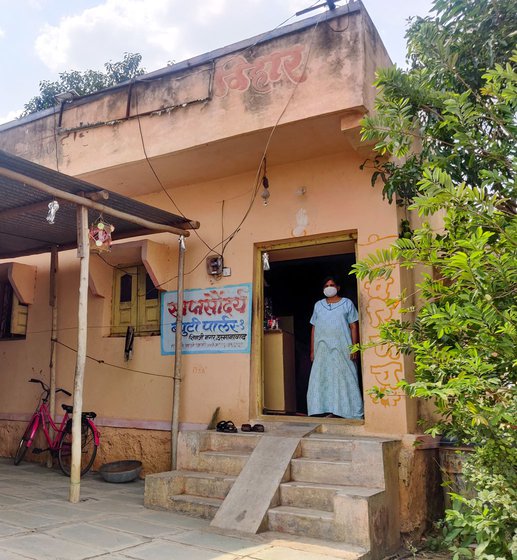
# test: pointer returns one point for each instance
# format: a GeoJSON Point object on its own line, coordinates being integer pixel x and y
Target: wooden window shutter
{"type": "Point", "coordinates": [125, 300]}
{"type": "Point", "coordinates": [148, 304]}
{"type": "Point", "coordinates": [19, 316]}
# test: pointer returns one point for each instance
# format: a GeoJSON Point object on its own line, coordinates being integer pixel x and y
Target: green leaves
{"type": "Point", "coordinates": [452, 117]}
{"type": "Point", "coordinates": [85, 82]}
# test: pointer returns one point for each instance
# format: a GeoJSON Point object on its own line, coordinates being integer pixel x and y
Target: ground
{"type": "Point", "coordinates": [110, 523]}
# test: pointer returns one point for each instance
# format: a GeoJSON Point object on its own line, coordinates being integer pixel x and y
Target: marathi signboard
{"type": "Point", "coordinates": [215, 320]}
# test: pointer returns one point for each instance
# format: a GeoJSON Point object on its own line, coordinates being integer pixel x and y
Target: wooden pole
{"type": "Point", "coordinates": [177, 357]}
{"type": "Point", "coordinates": [81, 201]}
{"type": "Point", "coordinates": [53, 336]}
{"type": "Point", "coordinates": [83, 252]}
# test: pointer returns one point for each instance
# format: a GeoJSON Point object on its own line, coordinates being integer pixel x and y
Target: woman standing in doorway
{"type": "Point", "coordinates": [333, 385]}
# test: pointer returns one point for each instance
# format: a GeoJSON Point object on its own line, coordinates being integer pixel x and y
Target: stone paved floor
{"type": "Point", "coordinates": [110, 523]}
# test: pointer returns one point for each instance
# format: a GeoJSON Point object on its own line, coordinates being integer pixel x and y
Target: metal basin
{"type": "Point", "coordinates": [120, 471]}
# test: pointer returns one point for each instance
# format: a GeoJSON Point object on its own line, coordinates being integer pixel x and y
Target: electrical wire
{"type": "Point", "coordinates": [151, 167]}
{"type": "Point", "coordinates": [343, 29]}
{"type": "Point", "coordinates": [224, 242]}
{"type": "Point", "coordinates": [261, 38]}
{"type": "Point", "coordinates": [255, 189]}
{"type": "Point", "coordinates": [104, 362]}
{"type": "Point", "coordinates": [270, 136]}
{"type": "Point", "coordinates": [45, 331]}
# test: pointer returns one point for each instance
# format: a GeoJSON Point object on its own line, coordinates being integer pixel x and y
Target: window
{"type": "Point", "coordinates": [136, 302]}
{"type": "Point", "coordinates": [13, 314]}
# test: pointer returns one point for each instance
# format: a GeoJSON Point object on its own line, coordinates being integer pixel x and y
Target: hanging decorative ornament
{"type": "Point", "coordinates": [53, 207]}
{"type": "Point", "coordinates": [265, 192]}
{"type": "Point", "coordinates": [100, 236]}
{"type": "Point", "coordinates": [265, 185]}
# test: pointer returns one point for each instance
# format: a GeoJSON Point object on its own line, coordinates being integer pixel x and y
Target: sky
{"type": "Point", "coordinates": [41, 38]}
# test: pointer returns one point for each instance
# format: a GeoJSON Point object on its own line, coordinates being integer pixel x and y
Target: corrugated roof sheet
{"type": "Point", "coordinates": [26, 230]}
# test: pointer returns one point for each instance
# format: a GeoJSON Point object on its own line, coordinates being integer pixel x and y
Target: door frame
{"type": "Point", "coordinates": [257, 340]}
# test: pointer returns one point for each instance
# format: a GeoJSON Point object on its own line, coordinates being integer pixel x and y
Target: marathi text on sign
{"type": "Point", "coordinates": [261, 73]}
{"type": "Point", "coordinates": [214, 320]}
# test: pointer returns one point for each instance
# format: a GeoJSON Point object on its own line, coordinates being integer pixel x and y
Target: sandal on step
{"type": "Point", "coordinates": [257, 428]}
{"type": "Point", "coordinates": [230, 427]}
{"type": "Point", "coordinates": [226, 426]}
{"type": "Point", "coordinates": [246, 428]}
{"type": "Point", "coordinates": [220, 426]}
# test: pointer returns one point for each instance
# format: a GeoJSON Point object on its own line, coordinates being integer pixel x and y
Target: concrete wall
{"type": "Point", "coordinates": [338, 197]}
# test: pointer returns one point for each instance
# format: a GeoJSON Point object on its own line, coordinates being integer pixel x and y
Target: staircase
{"type": "Point", "coordinates": [210, 468]}
{"type": "Point", "coordinates": [337, 487]}
{"type": "Point", "coordinates": [342, 488]}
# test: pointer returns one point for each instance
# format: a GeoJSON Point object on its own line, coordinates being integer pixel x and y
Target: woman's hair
{"type": "Point", "coordinates": [334, 279]}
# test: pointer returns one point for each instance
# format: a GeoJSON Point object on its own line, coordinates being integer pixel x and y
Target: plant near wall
{"type": "Point", "coordinates": [85, 82]}
{"type": "Point", "coordinates": [450, 123]}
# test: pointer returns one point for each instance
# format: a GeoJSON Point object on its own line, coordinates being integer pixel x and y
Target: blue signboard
{"type": "Point", "coordinates": [215, 320]}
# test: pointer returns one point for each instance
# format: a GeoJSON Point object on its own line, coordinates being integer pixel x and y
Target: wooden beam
{"type": "Point", "coordinates": [85, 202]}
{"type": "Point", "coordinates": [178, 351]}
{"type": "Point", "coordinates": [53, 336]}
{"type": "Point", "coordinates": [83, 252]}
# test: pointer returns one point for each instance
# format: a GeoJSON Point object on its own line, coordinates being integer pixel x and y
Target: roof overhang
{"type": "Point", "coordinates": [27, 188]}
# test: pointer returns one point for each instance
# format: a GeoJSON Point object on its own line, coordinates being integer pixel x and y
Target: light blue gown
{"type": "Point", "coordinates": [333, 384]}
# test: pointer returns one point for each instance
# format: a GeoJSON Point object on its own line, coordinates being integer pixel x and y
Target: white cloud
{"type": "Point", "coordinates": [10, 116]}
{"type": "Point", "coordinates": [206, 11]}
{"type": "Point", "coordinates": [160, 30]}
{"type": "Point", "coordinates": [105, 32]}
{"type": "Point", "coordinates": [2, 33]}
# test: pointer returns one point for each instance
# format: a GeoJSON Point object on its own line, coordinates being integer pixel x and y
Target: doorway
{"type": "Point", "coordinates": [292, 283]}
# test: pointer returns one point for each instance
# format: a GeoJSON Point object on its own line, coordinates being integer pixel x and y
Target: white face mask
{"type": "Point", "coordinates": [330, 291]}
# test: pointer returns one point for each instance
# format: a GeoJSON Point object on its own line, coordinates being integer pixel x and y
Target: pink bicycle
{"type": "Point", "coordinates": [61, 445]}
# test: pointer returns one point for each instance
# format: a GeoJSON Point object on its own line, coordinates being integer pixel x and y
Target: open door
{"type": "Point", "coordinates": [291, 284]}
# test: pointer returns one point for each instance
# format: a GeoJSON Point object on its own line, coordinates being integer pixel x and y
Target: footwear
{"type": "Point", "coordinates": [257, 428]}
{"type": "Point", "coordinates": [226, 426]}
{"type": "Point", "coordinates": [246, 428]}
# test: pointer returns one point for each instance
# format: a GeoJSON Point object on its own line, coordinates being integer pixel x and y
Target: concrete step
{"type": "Point", "coordinates": [195, 506]}
{"type": "Point", "coordinates": [223, 462]}
{"type": "Point", "coordinates": [311, 523]}
{"type": "Point", "coordinates": [326, 448]}
{"type": "Point", "coordinates": [210, 485]}
{"type": "Point", "coordinates": [310, 495]}
{"type": "Point", "coordinates": [325, 472]}
{"type": "Point", "coordinates": [220, 441]}
{"type": "Point", "coordinates": [319, 496]}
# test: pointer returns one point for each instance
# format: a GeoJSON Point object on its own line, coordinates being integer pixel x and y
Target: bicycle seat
{"type": "Point", "coordinates": [68, 408]}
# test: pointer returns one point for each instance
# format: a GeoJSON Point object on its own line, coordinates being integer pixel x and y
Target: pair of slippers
{"type": "Point", "coordinates": [250, 428]}
{"type": "Point", "coordinates": [228, 427]}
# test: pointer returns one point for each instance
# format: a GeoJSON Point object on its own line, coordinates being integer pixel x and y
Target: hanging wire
{"type": "Point", "coordinates": [262, 38]}
{"type": "Point", "coordinates": [105, 363]}
{"type": "Point", "coordinates": [257, 182]}
{"type": "Point", "coordinates": [270, 136]}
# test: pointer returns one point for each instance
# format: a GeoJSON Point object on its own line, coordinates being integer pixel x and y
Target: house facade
{"type": "Point", "coordinates": [259, 142]}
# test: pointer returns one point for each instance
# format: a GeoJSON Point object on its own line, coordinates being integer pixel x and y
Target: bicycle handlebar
{"type": "Point", "coordinates": [46, 388]}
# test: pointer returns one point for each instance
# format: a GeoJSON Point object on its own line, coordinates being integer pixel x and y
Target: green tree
{"type": "Point", "coordinates": [85, 82]}
{"type": "Point", "coordinates": [450, 123]}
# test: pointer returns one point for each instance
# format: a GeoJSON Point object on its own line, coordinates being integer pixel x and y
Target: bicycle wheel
{"type": "Point", "coordinates": [22, 446]}
{"type": "Point", "coordinates": [88, 449]}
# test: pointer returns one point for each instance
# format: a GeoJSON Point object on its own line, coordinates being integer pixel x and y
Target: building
{"type": "Point", "coordinates": [197, 139]}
